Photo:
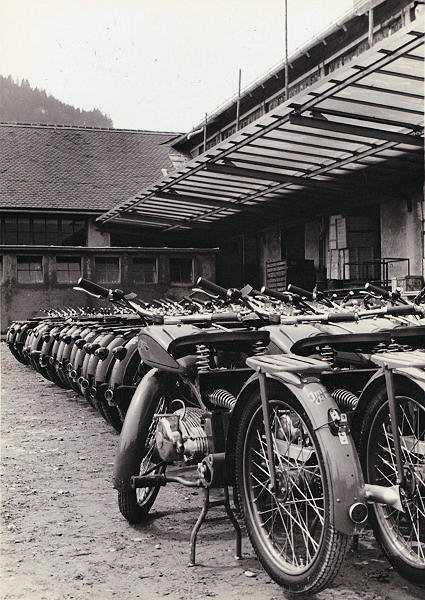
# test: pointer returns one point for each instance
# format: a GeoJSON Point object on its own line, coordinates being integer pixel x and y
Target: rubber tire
{"type": "Point", "coordinates": [333, 544]}
{"type": "Point", "coordinates": [130, 508]}
{"type": "Point", "coordinates": [406, 389]}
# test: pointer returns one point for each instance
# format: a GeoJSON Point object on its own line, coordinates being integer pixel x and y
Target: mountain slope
{"type": "Point", "coordinates": [20, 103]}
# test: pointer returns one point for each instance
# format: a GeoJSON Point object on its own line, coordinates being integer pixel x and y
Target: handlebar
{"type": "Point", "coordinates": [212, 287]}
{"type": "Point", "coordinates": [275, 294]}
{"type": "Point", "coordinates": [378, 290]}
{"type": "Point", "coordinates": [338, 317]}
{"type": "Point", "coordinates": [91, 288]}
{"type": "Point", "coordinates": [300, 291]}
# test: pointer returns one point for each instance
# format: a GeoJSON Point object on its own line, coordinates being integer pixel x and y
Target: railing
{"type": "Point", "coordinates": [376, 271]}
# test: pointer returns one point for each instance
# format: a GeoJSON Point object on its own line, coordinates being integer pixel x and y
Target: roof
{"type": "Point", "coordinates": [365, 118]}
{"type": "Point", "coordinates": [77, 168]}
{"type": "Point", "coordinates": [347, 35]}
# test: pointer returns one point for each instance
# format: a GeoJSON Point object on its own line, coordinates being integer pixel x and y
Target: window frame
{"type": "Point", "coordinates": [73, 259]}
{"type": "Point", "coordinates": [154, 259]}
{"type": "Point", "coordinates": [50, 229]}
{"type": "Point", "coordinates": [96, 279]}
{"type": "Point", "coordinates": [182, 257]}
{"type": "Point", "coordinates": [29, 259]}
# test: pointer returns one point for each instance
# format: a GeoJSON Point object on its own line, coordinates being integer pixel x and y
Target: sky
{"type": "Point", "coordinates": [157, 65]}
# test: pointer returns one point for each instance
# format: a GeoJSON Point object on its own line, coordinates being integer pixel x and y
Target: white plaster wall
{"type": "Point", "coordinates": [402, 234]}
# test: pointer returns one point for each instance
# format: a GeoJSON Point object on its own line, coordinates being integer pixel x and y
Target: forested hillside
{"type": "Point", "coordinates": [20, 103]}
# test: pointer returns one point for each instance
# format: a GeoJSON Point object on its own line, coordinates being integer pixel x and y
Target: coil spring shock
{"type": "Point", "coordinates": [327, 353]}
{"type": "Point", "coordinates": [392, 347]}
{"type": "Point", "coordinates": [345, 399]}
{"type": "Point", "coordinates": [259, 348]}
{"type": "Point", "coordinates": [222, 398]}
{"type": "Point", "coordinates": [203, 357]}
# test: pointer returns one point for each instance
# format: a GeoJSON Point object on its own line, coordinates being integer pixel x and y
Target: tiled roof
{"type": "Point", "coordinates": [78, 168]}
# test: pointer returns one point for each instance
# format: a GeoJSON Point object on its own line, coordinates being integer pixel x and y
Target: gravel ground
{"type": "Point", "coordinates": [64, 538]}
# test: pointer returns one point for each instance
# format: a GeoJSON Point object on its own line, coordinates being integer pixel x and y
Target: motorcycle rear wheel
{"type": "Point", "coordinates": [290, 529]}
{"type": "Point", "coordinates": [401, 535]}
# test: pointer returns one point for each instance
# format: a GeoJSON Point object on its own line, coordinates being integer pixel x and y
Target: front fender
{"type": "Point", "coordinates": [343, 471]}
{"type": "Point", "coordinates": [127, 461]}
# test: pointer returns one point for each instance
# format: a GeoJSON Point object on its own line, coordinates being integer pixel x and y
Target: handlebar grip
{"type": "Point", "coordinates": [300, 291]}
{"type": "Point", "coordinates": [203, 318]}
{"type": "Point", "coordinates": [274, 294]}
{"type": "Point", "coordinates": [92, 288]}
{"type": "Point", "coordinates": [378, 290]}
{"type": "Point", "coordinates": [337, 317]}
{"type": "Point", "coordinates": [404, 309]}
{"type": "Point", "coordinates": [209, 286]}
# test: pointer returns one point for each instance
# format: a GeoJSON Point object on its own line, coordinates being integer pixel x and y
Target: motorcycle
{"type": "Point", "coordinates": [271, 426]}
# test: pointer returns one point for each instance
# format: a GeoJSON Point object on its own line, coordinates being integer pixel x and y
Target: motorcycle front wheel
{"type": "Point", "coordinates": [135, 504]}
{"type": "Point", "coordinates": [401, 534]}
{"type": "Point", "coordinates": [290, 527]}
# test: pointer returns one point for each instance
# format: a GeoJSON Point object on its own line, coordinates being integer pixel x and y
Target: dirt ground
{"type": "Point", "coordinates": [64, 538]}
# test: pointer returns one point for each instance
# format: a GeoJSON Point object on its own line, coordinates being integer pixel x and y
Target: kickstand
{"type": "Point", "coordinates": [207, 505]}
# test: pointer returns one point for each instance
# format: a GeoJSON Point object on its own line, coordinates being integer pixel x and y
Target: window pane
{"type": "Point", "coordinates": [68, 269]}
{"type": "Point", "coordinates": [52, 225]}
{"type": "Point", "coordinates": [73, 233]}
{"type": "Point", "coordinates": [39, 225]}
{"type": "Point", "coordinates": [29, 269]}
{"type": "Point", "coordinates": [10, 229]}
{"type": "Point", "coordinates": [144, 270]}
{"type": "Point", "coordinates": [181, 270]}
{"type": "Point", "coordinates": [107, 269]}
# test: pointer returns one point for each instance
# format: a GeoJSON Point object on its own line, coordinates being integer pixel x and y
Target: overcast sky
{"type": "Point", "coordinates": [152, 64]}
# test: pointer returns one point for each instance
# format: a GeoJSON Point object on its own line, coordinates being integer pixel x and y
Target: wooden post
{"type": "Point", "coordinates": [205, 132]}
{"type": "Point", "coordinates": [286, 52]}
{"type": "Point", "coordinates": [370, 27]}
{"type": "Point", "coordinates": [238, 104]}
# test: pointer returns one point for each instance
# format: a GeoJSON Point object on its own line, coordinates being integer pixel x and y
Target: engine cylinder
{"type": "Point", "coordinates": [181, 435]}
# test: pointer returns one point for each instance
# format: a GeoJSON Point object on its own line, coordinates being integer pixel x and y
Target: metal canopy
{"type": "Point", "coordinates": [366, 115]}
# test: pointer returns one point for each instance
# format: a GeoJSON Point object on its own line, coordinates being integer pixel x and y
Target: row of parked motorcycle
{"type": "Point", "coordinates": [309, 405]}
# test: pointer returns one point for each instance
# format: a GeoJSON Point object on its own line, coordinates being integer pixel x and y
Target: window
{"type": "Point", "coordinates": [74, 232]}
{"type": "Point", "coordinates": [107, 269]}
{"type": "Point", "coordinates": [16, 230]}
{"type": "Point", "coordinates": [46, 231]}
{"type": "Point", "coordinates": [43, 231]}
{"type": "Point", "coordinates": [68, 269]}
{"type": "Point", "coordinates": [30, 269]}
{"type": "Point", "coordinates": [181, 270]}
{"type": "Point", "coordinates": [144, 270]}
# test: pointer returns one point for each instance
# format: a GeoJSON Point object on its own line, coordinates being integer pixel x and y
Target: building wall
{"type": "Point", "coordinates": [270, 250]}
{"type": "Point", "coordinates": [402, 234]}
{"type": "Point", "coordinates": [25, 300]}
{"type": "Point", "coordinates": [95, 237]}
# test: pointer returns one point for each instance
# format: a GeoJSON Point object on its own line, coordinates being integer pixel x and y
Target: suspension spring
{"type": "Point", "coordinates": [203, 358]}
{"type": "Point", "coordinates": [259, 348]}
{"type": "Point", "coordinates": [328, 354]}
{"type": "Point", "coordinates": [222, 398]}
{"type": "Point", "coordinates": [345, 399]}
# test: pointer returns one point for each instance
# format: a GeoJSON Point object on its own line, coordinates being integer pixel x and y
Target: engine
{"type": "Point", "coordinates": [190, 434]}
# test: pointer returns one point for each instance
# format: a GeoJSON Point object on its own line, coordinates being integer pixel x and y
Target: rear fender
{"type": "Point", "coordinates": [344, 475]}
{"type": "Point", "coordinates": [127, 462]}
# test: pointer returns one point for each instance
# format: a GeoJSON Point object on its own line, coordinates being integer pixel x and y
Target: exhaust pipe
{"type": "Point", "coordinates": [358, 512]}
{"type": "Point", "coordinates": [384, 495]}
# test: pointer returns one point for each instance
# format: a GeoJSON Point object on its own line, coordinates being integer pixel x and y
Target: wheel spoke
{"type": "Point", "coordinates": [404, 529]}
